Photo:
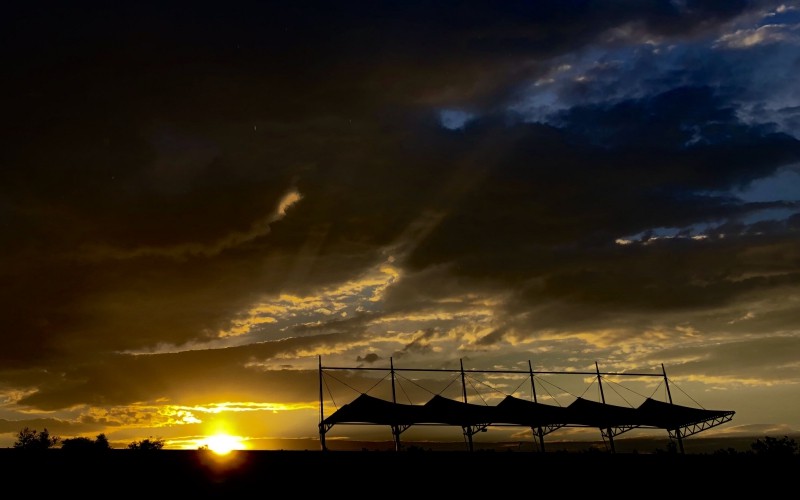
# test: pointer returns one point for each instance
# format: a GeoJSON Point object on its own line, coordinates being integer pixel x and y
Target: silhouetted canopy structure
{"type": "Point", "coordinates": [447, 411]}
{"type": "Point", "coordinates": [526, 413]}
{"type": "Point", "coordinates": [680, 421]}
{"type": "Point", "coordinates": [589, 413]}
{"type": "Point", "coordinates": [366, 409]}
{"type": "Point", "coordinates": [658, 414]}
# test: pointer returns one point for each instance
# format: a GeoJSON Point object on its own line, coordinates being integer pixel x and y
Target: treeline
{"type": "Point", "coordinates": [31, 439]}
{"type": "Point", "coordinates": [768, 446]}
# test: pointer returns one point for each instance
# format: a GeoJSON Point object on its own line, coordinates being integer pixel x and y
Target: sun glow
{"type": "Point", "coordinates": [222, 444]}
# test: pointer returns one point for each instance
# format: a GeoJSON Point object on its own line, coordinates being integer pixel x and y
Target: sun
{"type": "Point", "coordinates": [222, 444]}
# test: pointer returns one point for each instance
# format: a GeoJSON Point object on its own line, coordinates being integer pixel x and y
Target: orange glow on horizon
{"type": "Point", "coordinates": [223, 444]}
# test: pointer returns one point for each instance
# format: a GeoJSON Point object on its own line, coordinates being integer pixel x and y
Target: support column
{"type": "Point", "coordinates": [467, 429]}
{"type": "Point", "coordinates": [603, 398]}
{"type": "Point", "coordinates": [395, 428]}
{"type": "Point", "coordinates": [321, 410]}
{"type": "Point", "coordinates": [669, 396]}
{"type": "Point", "coordinates": [533, 392]}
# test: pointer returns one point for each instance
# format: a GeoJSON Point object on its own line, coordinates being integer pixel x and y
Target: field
{"type": "Point", "coordinates": [196, 473]}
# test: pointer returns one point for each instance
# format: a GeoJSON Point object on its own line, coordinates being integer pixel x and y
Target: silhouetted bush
{"type": "Point", "coordinates": [147, 444]}
{"type": "Point", "coordinates": [725, 452]}
{"type": "Point", "coordinates": [31, 439]}
{"type": "Point", "coordinates": [775, 447]}
{"type": "Point", "coordinates": [101, 442]}
{"type": "Point", "coordinates": [84, 444]}
{"type": "Point", "coordinates": [594, 450]}
{"type": "Point", "coordinates": [672, 449]}
{"type": "Point", "coordinates": [77, 444]}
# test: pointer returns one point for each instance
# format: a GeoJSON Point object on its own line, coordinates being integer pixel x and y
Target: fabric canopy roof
{"type": "Point", "coordinates": [367, 409]}
{"type": "Point", "coordinates": [517, 411]}
{"type": "Point", "coordinates": [449, 411]}
{"type": "Point", "coordinates": [654, 413]}
{"type": "Point", "coordinates": [594, 414]}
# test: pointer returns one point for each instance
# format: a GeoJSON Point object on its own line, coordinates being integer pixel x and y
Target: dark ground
{"type": "Point", "coordinates": [383, 474]}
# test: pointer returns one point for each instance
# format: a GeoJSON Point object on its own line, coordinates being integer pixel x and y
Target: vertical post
{"type": "Point", "coordinates": [391, 369]}
{"type": "Point", "coordinates": [395, 427]}
{"type": "Point", "coordinates": [533, 392]}
{"type": "Point", "coordinates": [603, 398]}
{"type": "Point", "coordinates": [467, 429]}
{"type": "Point", "coordinates": [669, 396]}
{"type": "Point", "coordinates": [463, 381]}
{"type": "Point", "coordinates": [321, 410]}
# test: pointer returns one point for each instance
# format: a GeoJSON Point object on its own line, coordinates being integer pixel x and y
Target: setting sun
{"type": "Point", "coordinates": [222, 444]}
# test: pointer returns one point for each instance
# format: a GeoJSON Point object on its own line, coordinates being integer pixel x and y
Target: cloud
{"type": "Point", "coordinates": [763, 35]}
{"type": "Point", "coordinates": [258, 229]}
{"type": "Point", "coordinates": [369, 358]}
{"type": "Point", "coordinates": [194, 211]}
{"type": "Point", "coordinates": [767, 360]}
{"type": "Point", "coordinates": [55, 427]}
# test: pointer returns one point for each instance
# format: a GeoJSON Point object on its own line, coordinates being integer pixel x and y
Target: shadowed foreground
{"type": "Point", "coordinates": [371, 473]}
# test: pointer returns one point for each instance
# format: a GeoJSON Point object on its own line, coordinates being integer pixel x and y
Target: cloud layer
{"type": "Point", "coordinates": [195, 205]}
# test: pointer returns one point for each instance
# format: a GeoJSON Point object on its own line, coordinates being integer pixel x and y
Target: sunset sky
{"type": "Point", "coordinates": [196, 202]}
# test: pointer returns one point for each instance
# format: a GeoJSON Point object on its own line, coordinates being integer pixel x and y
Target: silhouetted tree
{"type": "Point", "coordinates": [775, 447]}
{"type": "Point", "coordinates": [31, 439]}
{"type": "Point", "coordinates": [77, 444]}
{"type": "Point", "coordinates": [147, 444]}
{"type": "Point", "coordinates": [730, 451]}
{"type": "Point", "coordinates": [101, 442]}
{"type": "Point", "coordinates": [672, 448]}
{"type": "Point", "coordinates": [85, 444]}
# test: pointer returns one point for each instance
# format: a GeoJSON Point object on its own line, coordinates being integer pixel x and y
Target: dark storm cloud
{"type": "Point", "coordinates": [189, 377]}
{"type": "Point", "coordinates": [141, 137]}
{"type": "Point", "coordinates": [420, 343]}
{"type": "Point", "coordinates": [771, 359]}
{"type": "Point", "coordinates": [565, 196]}
{"type": "Point", "coordinates": [368, 358]}
{"type": "Point", "coordinates": [54, 426]}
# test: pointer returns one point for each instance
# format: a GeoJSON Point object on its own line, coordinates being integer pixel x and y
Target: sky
{"type": "Point", "coordinates": [200, 203]}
